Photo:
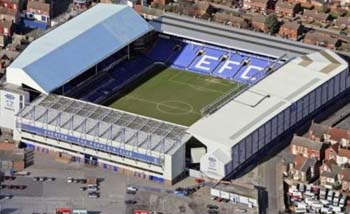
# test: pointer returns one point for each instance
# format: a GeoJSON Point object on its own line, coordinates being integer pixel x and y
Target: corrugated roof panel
{"type": "Point", "coordinates": [75, 46]}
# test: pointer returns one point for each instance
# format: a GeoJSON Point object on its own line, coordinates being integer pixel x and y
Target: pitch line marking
{"type": "Point", "coordinates": [188, 111]}
{"type": "Point", "coordinates": [199, 88]}
{"type": "Point", "coordinates": [169, 106]}
{"type": "Point", "coordinates": [219, 82]}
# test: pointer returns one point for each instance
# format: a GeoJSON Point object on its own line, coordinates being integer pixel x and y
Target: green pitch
{"type": "Point", "coordinates": [173, 95]}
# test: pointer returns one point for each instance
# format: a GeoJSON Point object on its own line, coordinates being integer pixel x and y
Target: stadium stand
{"type": "Point", "coordinates": [200, 58]}
{"type": "Point", "coordinates": [116, 78]}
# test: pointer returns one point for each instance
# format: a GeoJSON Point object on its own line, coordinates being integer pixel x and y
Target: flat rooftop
{"type": "Point", "coordinates": [226, 36]}
{"type": "Point", "coordinates": [266, 99]}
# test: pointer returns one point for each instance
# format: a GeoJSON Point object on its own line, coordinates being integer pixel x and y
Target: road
{"type": "Point", "coordinates": [270, 172]}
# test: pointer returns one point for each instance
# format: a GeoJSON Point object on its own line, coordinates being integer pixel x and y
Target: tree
{"type": "Point", "coordinates": [272, 24]}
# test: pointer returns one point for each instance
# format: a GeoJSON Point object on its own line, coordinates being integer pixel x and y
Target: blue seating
{"type": "Point", "coordinates": [228, 68]}
{"type": "Point", "coordinates": [183, 57]}
{"type": "Point", "coordinates": [253, 71]}
{"type": "Point", "coordinates": [208, 61]}
{"type": "Point", "coordinates": [162, 49]}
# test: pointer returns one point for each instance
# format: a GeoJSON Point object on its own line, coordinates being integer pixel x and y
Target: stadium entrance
{"type": "Point", "coordinates": [90, 160]}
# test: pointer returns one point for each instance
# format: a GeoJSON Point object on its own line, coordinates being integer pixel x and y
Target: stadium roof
{"type": "Point", "coordinates": [75, 46]}
{"type": "Point", "coordinates": [240, 39]}
{"type": "Point", "coordinates": [263, 101]}
{"type": "Point", "coordinates": [108, 124]}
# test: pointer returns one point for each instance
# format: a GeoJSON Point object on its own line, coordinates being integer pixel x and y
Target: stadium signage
{"type": "Point", "coordinates": [212, 164]}
{"type": "Point", "coordinates": [248, 73]}
{"type": "Point", "coordinates": [9, 102]}
{"type": "Point", "coordinates": [91, 144]}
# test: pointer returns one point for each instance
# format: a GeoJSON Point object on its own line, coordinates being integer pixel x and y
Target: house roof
{"type": "Point", "coordinates": [228, 17]}
{"type": "Point", "coordinates": [38, 5]}
{"type": "Point", "coordinates": [333, 166]}
{"type": "Point", "coordinates": [343, 20]}
{"type": "Point", "coordinates": [344, 152]}
{"type": "Point", "coordinates": [10, 1]}
{"type": "Point", "coordinates": [299, 162]}
{"type": "Point", "coordinates": [259, 1]}
{"type": "Point", "coordinates": [316, 15]}
{"type": "Point", "coordinates": [318, 130]}
{"type": "Point", "coordinates": [346, 174]}
{"type": "Point", "coordinates": [305, 142]}
{"type": "Point", "coordinates": [285, 4]}
{"type": "Point", "coordinates": [259, 18]}
{"type": "Point", "coordinates": [335, 133]}
{"type": "Point", "coordinates": [80, 43]}
{"type": "Point", "coordinates": [334, 147]}
{"type": "Point", "coordinates": [338, 134]}
{"type": "Point", "coordinates": [6, 24]}
{"type": "Point", "coordinates": [8, 11]}
{"type": "Point", "coordinates": [291, 25]}
{"type": "Point", "coordinates": [328, 174]}
{"type": "Point", "coordinates": [308, 163]}
{"type": "Point", "coordinates": [321, 37]}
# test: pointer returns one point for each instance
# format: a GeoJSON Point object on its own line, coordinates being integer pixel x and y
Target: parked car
{"type": "Point", "coordinates": [211, 206]}
{"type": "Point", "coordinates": [92, 188]}
{"type": "Point", "coordinates": [42, 178]}
{"type": "Point", "coordinates": [22, 173]}
{"type": "Point", "coordinates": [213, 212]}
{"type": "Point", "coordinates": [130, 202]}
{"type": "Point", "coordinates": [83, 188]}
{"type": "Point", "coordinates": [51, 179]}
{"type": "Point", "coordinates": [132, 188]}
{"type": "Point", "coordinates": [70, 180]}
{"type": "Point", "coordinates": [35, 178]}
{"type": "Point", "coordinates": [130, 192]}
{"type": "Point", "coordinates": [7, 196]}
{"type": "Point", "coordinates": [93, 195]}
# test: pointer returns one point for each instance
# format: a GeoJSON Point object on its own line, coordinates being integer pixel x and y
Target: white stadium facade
{"type": "Point", "coordinates": [232, 133]}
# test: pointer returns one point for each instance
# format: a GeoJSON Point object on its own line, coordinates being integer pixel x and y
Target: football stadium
{"type": "Point", "coordinates": [157, 97]}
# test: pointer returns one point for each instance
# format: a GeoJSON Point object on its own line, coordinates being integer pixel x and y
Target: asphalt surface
{"type": "Point", "coordinates": [46, 196]}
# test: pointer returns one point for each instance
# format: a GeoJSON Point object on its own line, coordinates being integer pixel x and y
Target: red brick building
{"type": "Point", "coordinates": [314, 16]}
{"type": "Point", "coordinates": [291, 30]}
{"type": "Point", "coordinates": [284, 8]}
{"type": "Point", "coordinates": [332, 152]}
{"type": "Point", "coordinates": [307, 148]}
{"type": "Point", "coordinates": [258, 23]}
{"type": "Point", "coordinates": [260, 5]}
